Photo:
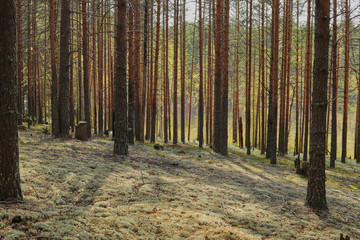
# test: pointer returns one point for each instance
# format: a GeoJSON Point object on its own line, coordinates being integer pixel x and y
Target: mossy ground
{"type": "Point", "coordinates": [79, 190]}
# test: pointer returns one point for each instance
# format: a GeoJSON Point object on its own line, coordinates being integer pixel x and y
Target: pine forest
{"type": "Point", "coordinates": [181, 119]}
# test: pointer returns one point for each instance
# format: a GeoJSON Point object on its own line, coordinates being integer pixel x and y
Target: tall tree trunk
{"type": "Point", "coordinates": [248, 85]}
{"type": "Point", "coordinates": [357, 132]}
{"type": "Point", "coordinates": [54, 77]}
{"type": "Point", "coordinates": [176, 43]}
{"type": "Point", "coordinates": [183, 64]}
{"type": "Point", "coordinates": [145, 65]}
{"type": "Point", "coordinates": [64, 94]}
{"type": "Point", "coordinates": [334, 57]}
{"type": "Point", "coordinates": [201, 81]}
{"type": "Point", "coordinates": [19, 60]}
{"type": "Point", "coordinates": [296, 152]}
{"type": "Point", "coordinates": [346, 81]}
{"type": "Point", "coordinates": [221, 77]}
{"type": "Point", "coordinates": [263, 73]}
{"type": "Point", "coordinates": [316, 193]}
{"type": "Point", "coordinates": [273, 93]}
{"type": "Point", "coordinates": [225, 82]}
{"type": "Point", "coordinates": [94, 76]}
{"type": "Point", "coordinates": [166, 77]}
{"type": "Point", "coordinates": [9, 150]}
{"type": "Point", "coordinates": [137, 79]}
{"type": "Point", "coordinates": [100, 71]}
{"type": "Point", "coordinates": [86, 68]}
{"type": "Point", "coordinates": [192, 72]}
{"type": "Point", "coordinates": [120, 121]}
{"type": "Point", "coordinates": [131, 69]}
{"type": "Point", "coordinates": [156, 75]}
{"type": "Point", "coordinates": [217, 145]}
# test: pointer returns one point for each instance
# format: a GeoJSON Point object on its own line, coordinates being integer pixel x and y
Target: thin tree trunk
{"type": "Point", "coordinates": [346, 81]}
{"type": "Point", "coordinates": [201, 81]}
{"type": "Point", "coordinates": [183, 64]}
{"type": "Point", "coordinates": [86, 68]}
{"type": "Point", "coordinates": [248, 85]}
{"type": "Point", "coordinates": [176, 43]}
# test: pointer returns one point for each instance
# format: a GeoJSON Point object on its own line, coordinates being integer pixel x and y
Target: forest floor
{"type": "Point", "coordinates": [79, 190]}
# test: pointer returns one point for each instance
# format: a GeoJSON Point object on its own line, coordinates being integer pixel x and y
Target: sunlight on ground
{"type": "Point", "coordinates": [78, 190]}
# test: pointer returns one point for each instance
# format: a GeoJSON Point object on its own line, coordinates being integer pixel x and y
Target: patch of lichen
{"type": "Point", "coordinates": [78, 190]}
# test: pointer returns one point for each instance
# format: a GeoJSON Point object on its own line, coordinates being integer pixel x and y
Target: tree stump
{"type": "Point", "coordinates": [81, 132]}
{"type": "Point", "coordinates": [301, 167]}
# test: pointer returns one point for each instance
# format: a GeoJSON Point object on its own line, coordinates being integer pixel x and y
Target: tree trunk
{"type": "Point", "coordinates": [183, 66]}
{"type": "Point", "coordinates": [248, 85]}
{"type": "Point", "coordinates": [19, 60]}
{"type": "Point", "coordinates": [346, 81]}
{"type": "Point", "coordinates": [176, 43]}
{"type": "Point", "coordinates": [54, 82]}
{"type": "Point", "coordinates": [120, 121]}
{"type": "Point", "coordinates": [201, 81]}
{"type": "Point", "coordinates": [156, 75]}
{"type": "Point", "coordinates": [86, 68]}
{"type": "Point", "coordinates": [273, 93]}
{"type": "Point", "coordinates": [316, 193]}
{"type": "Point", "coordinates": [131, 69]}
{"type": "Point", "coordinates": [64, 94]}
{"type": "Point", "coordinates": [137, 77]}
{"type": "Point", "coordinates": [217, 145]}
{"type": "Point", "coordinates": [334, 50]}
{"type": "Point", "coordinates": [9, 150]}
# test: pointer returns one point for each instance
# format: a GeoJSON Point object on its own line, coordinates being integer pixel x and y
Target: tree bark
{"type": "Point", "coordinates": [156, 75]}
{"type": "Point", "coordinates": [316, 193]}
{"type": "Point", "coordinates": [334, 50]}
{"type": "Point", "coordinates": [9, 150]}
{"type": "Point", "coordinates": [64, 94]}
{"type": "Point", "coordinates": [201, 81]}
{"type": "Point", "coordinates": [120, 121]}
{"type": "Point", "coordinates": [273, 93]}
{"type": "Point", "coordinates": [86, 67]}
{"type": "Point", "coordinates": [346, 81]}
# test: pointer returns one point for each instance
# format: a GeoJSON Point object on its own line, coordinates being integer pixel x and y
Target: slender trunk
{"type": "Point", "coordinates": [176, 43]}
{"type": "Point", "coordinates": [86, 68]}
{"type": "Point", "coordinates": [248, 85]}
{"type": "Point", "coordinates": [201, 84]}
{"type": "Point", "coordinates": [346, 81]}
{"type": "Point", "coordinates": [183, 64]}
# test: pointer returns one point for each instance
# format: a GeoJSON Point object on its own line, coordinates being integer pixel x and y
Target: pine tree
{"type": "Point", "coordinates": [64, 93]}
{"type": "Point", "coordinates": [120, 121]}
{"type": "Point", "coordinates": [9, 150]}
{"type": "Point", "coordinates": [316, 193]}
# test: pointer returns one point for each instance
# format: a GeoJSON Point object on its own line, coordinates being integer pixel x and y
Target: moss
{"type": "Point", "coordinates": [11, 234]}
{"type": "Point", "coordinates": [44, 226]}
{"type": "Point", "coordinates": [214, 197]}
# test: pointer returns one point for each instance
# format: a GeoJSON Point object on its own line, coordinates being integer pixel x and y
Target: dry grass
{"type": "Point", "coordinates": [78, 190]}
